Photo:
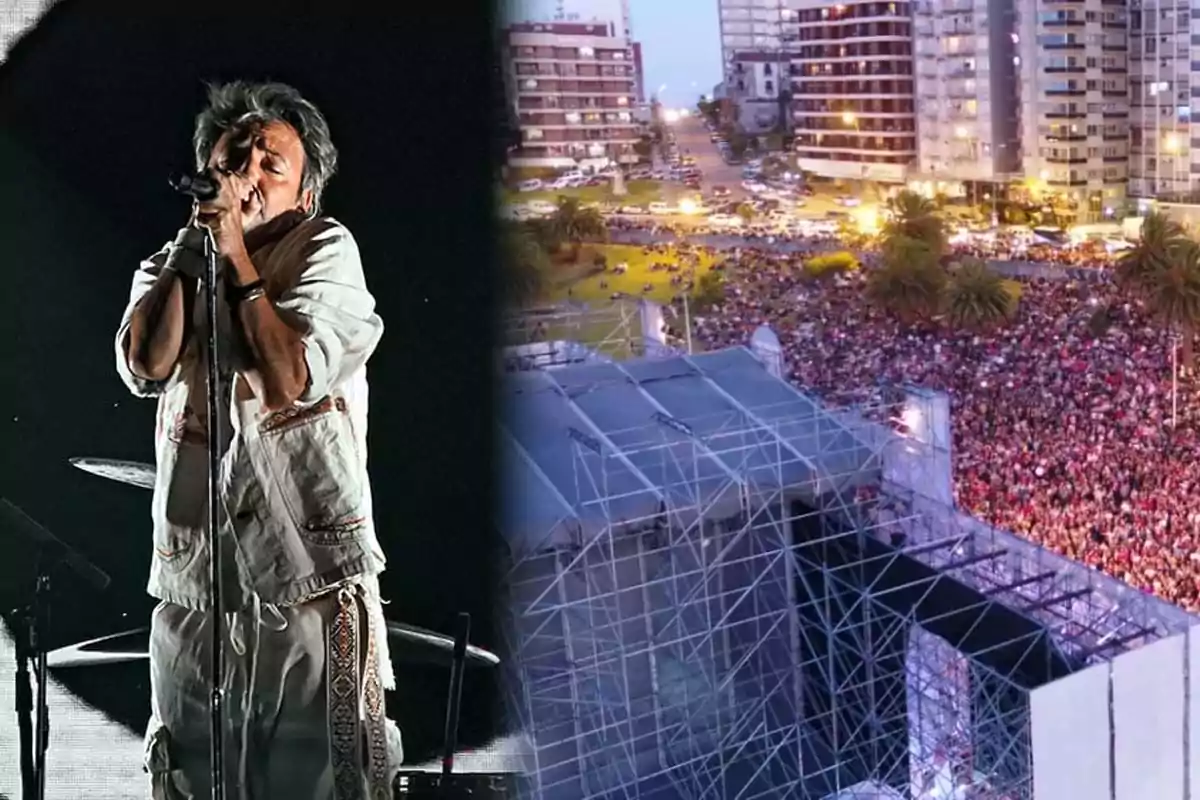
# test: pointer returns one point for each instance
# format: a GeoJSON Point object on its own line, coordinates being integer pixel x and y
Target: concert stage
{"type": "Point", "coordinates": [720, 588]}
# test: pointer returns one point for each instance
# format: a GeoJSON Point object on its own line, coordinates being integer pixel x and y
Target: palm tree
{"type": "Point", "coordinates": [910, 283]}
{"type": "Point", "coordinates": [573, 223]}
{"type": "Point", "coordinates": [1159, 238]}
{"type": "Point", "coordinates": [524, 264]}
{"type": "Point", "coordinates": [1171, 292]}
{"type": "Point", "coordinates": [916, 217]}
{"type": "Point", "coordinates": [977, 297]}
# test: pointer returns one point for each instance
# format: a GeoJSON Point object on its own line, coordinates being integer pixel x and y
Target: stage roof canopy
{"type": "Point", "coordinates": [594, 445]}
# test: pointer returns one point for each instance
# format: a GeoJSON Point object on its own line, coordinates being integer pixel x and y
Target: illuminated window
{"type": "Point", "coordinates": [531, 84]}
{"type": "Point", "coordinates": [586, 52]}
{"type": "Point", "coordinates": [534, 133]}
{"type": "Point", "coordinates": [573, 117]}
{"type": "Point", "coordinates": [622, 101]}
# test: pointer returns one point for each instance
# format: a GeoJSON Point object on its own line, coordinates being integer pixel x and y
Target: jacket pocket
{"type": "Point", "coordinates": [314, 463]}
{"type": "Point", "coordinates": [180, 503]}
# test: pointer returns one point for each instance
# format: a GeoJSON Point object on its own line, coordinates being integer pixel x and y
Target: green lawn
{"type": "Point", "coordinates": [640, 193]}
{"type": "Point", "coordinates": [587, 288]}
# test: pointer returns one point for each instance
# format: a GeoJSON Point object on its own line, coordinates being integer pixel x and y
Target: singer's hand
{"type": "Point", "coordinates": [223, 214]}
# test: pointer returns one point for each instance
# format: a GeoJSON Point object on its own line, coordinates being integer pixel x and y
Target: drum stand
{"type": "Point", "coordinates": [31, 627]}
{"type": "Point", "coordinates": [447, 785]}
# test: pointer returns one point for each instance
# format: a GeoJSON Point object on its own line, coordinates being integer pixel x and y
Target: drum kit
{"type": "Point", "coordinates": [408, 645]}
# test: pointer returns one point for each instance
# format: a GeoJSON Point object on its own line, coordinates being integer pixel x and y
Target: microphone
{"type": "Point", "coordinates": [198, 186]}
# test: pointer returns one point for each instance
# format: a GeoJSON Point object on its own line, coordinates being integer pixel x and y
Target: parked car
{"type": "Point", "coordinates": [720, 191]}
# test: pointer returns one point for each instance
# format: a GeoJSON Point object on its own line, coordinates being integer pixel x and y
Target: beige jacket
{"type": "Point", "coordinates": [294, 483]}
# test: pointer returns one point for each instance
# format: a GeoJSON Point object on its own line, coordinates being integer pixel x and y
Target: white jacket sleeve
{"type": "Point", "coordinates": [331, 306]}
{"type": "Point", "coordinates": [144, 278]}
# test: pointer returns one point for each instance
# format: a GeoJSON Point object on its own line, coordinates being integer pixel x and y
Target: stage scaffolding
{"type": "Point", "coordinates": [717, 592]}
{"type": "Point", "coordinates": [568, 333]}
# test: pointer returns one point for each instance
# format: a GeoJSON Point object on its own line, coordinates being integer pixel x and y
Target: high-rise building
{"type": "Point", "coordinates": [966, 90]}
{"type": "Point", "coordinates": [1075, 100]}
{"type": "Point", "coordinates": [573, 87]}
{"type": "Point", "coordinates": [1162, 83]}
{"type": "Point", "coordinates": [753, 60]}
{"type": "Point", "coordinates": [851, 67]}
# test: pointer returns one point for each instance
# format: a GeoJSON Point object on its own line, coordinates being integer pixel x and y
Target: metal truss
{"type": "Point", "coordinates": [764, 636]}
{"type": "Point", "coordinates": [572, 333]}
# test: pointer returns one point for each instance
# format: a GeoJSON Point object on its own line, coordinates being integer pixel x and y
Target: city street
{"type": "Point", "coordinates": [692, 138]}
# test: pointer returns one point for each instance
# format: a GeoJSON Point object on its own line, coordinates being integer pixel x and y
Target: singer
{"type": "Point", "coordinates": [306, 647]}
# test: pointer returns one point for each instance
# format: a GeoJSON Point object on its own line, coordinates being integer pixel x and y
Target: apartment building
{"type": "Point", "coordinates": [966, 91]}
{"type": "Point", "coordinates": [573, 87]}
{"type": "Point", "coordinates": [853, 101]}
{"type": "Point", "coordinates": [749, 26]}
{"type": "Point", "coordinates": [1075, 97]}
{"type": "Point", "coordinates": [1162, 83]}
{"type": "Point", "coordinates": [753, 61]}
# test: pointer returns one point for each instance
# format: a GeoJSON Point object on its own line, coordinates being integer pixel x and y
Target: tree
{"type": "Point", "coordinates": [910, 283]}
{"type": "Point", "coordinates": [572, 223]}
{"type": "Point", "coordinates": [1160, 237]}
{"type": "Point", "coordinates": [738, 142]}
{"type": "Point", "coordinates": [977, 297]}
{"type": "Point", "coordinates": [709, 290]}
{"type": "Point", "coordinates": [916, 217]}
{"type": "Point", "coordinates": [1171, 292]}
{"type": "Point", "coordinates": [643, 147]}
{"type": "Point", "coordinates": [524, 264]}
{"type": "Point", "coordinates": [746, 212]}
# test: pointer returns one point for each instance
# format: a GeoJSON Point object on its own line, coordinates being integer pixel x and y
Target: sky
{"type": "Point", "coordinates": [681, 40]}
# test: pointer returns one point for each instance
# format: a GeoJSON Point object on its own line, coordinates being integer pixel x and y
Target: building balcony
{"type": "Point", "coordinates": [1115, 159]}
{"type": "Point", "coordinates": [1067, 181]}
{"type": "Point", "coordinates": [1062, 70]}
{"type": "Point", "coordinates": [1066, 159]}
{"type": "Point", "coordinates": [1063, 23]}
{"type": "Point", "coordinates": [1066, 92]}
{"type": "Point", "coordinates": [1066, 115]}
{"type": "Point", "coordinates": [1065, 137]}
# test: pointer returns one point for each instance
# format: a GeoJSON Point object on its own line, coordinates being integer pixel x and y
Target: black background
{"type": "Point", "coordinates": [96, 109]}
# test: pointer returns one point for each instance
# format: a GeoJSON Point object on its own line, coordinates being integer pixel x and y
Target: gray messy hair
{"type": "Point", "coordinates": [241, 102]}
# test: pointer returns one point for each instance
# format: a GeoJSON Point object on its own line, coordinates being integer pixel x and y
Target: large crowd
{"type": "Point", "coordinates": [1062, 429]}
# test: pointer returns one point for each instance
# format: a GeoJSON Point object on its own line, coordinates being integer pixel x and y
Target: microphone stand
{"type": "Point", "coordinates": [216, 697]}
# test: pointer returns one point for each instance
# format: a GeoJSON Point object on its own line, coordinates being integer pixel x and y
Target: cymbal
{"type": "Point", "coordinates": [412, 645]}
{"type": "Point", "coordinates": [133, 473]}
{"type": "Point", "coordinates": [408, 644]}
{"type": "Point", "coordinates": [119, 648]}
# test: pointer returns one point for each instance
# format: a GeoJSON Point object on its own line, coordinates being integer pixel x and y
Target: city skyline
{"type": "Point", "coordinates": [681, 44]}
